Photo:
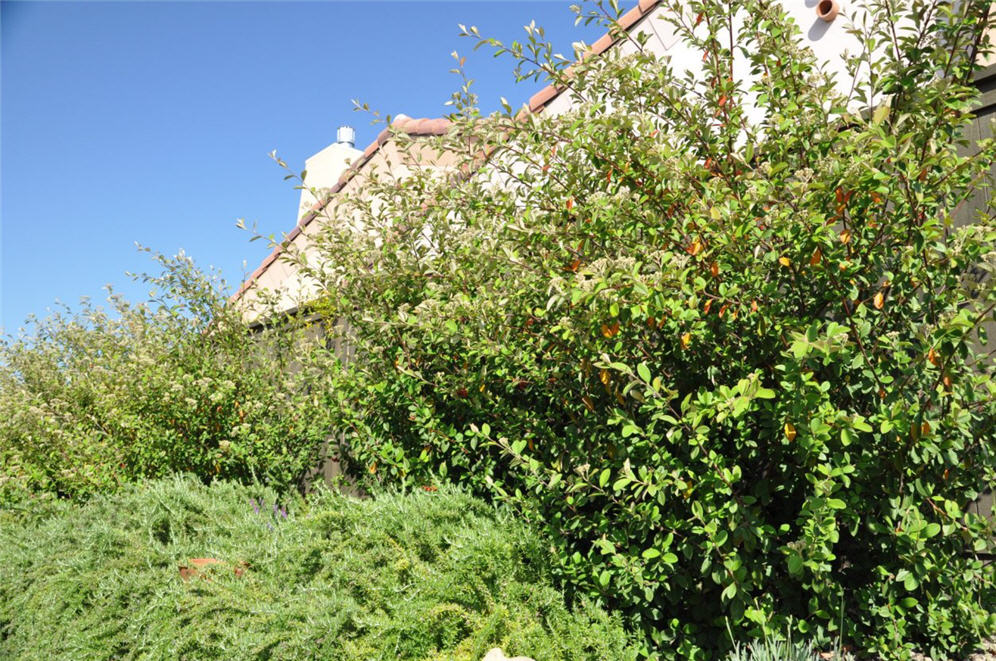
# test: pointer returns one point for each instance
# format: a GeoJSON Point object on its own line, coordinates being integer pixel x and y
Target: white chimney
{"type": "Point", "coordinates": [346, 136]}
{"type": "Point", "coordinates": [325, 168]}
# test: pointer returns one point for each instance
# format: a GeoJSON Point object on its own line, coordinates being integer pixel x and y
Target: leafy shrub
{"type": "Point", "coordinates": [429, 575]}
{"type": "Point", "coordinates": [719, 337]}
{"type": "Point", "coordinates": [101, 397]}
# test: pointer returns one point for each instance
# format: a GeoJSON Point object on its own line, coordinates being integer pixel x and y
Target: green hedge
{"type": "Point", "coordinates": [427, 576]}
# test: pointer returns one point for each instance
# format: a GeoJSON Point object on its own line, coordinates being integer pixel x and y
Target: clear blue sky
{"type": "Point", "coordinates": [151, 122]}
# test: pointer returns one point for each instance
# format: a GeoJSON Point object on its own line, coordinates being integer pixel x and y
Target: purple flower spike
{"type": "Point", "coordinates": [255, 507]}
{"type": "Point", "coordinates": [283, 512]}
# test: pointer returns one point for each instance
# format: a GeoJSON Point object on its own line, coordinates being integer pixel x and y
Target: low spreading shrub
{"type": "Point", "coordinates": [99, 397]}
{"type": "Point", "coordinates": [432, 575]}
{"type": "Point", "coordinates": [721, 335]}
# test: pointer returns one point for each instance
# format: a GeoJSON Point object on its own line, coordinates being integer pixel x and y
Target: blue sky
{"type": "Point", "coordinates": [151, 122]}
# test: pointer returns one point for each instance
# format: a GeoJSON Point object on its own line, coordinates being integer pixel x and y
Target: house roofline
{"type": "Point", "coordinates": [439, 126]}
{"type": "Point", "coordinates": [626, 22]}
{"type": "Point", "coordinates": [412, 127]}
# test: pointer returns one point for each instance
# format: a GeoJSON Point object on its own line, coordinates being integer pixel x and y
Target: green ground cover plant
{"type": "Point", "coordinates": [719, 337]}
{"type": "Point", "coordinates": [104, 395]}
{"type": "Point", "coordinates": [430, 575]}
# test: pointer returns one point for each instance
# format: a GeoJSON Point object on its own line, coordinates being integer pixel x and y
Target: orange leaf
{"type": "Point", "coordinates": [753, 306]}
{"type": "Point", "coordinates": [604, 377]}
{"type": "Point", "coordinates": [790, 431]}
{"type": "Point", "coordinates": [610, 331]}
{"type": "Point", "coordinates": [879, 301]}
{"type": "Point", "coordinates": [686, 340]}
{"type": "Point", "coordinates": [714, 269]}
{"type": "Point", "coordinates": [695, 248]}
{"type": "Point", "coordinates": [570, 203]}
{"type": "Point", "coordinates": [933, 357]}
{"type": "Point", "coordinates": [817, 256]}
{"type": "Point", "coordinates": [574, 266]}
{"type": "Point", "coordinates": [785, 261]}
{"type": "Point", "coordinates": [708, 304]}
{"type": "Point", "coordinates": [845, 236]}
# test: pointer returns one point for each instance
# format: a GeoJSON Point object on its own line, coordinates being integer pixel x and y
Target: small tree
{"type": "Point", "coordinates": [719, 337]}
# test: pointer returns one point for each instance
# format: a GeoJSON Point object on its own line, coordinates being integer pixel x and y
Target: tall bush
{"type": "Point", "coordinates": [718, 336]}
{"type": "Point", "coordinates": [105, 395]}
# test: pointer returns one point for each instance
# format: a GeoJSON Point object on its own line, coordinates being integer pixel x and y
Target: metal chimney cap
{"type": "Point", "coordinates": [346, 135]}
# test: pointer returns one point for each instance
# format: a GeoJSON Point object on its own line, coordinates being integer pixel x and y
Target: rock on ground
{"type": "Point", "coordinates": [495, 654]}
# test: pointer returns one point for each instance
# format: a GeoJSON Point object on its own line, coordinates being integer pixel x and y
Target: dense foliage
{"type": "Point", "coordinates": [427, 576]}
{"type": "Point", "coordinates": [720, 337]}
{"type": "Point", "coordinates": [99, 397]}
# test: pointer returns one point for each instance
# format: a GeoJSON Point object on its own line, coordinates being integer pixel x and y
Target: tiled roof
{"type": "Point", "coordinates": [439, 126]}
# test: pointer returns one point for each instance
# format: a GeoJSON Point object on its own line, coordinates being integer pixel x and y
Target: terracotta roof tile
{"type": "Point", "coordinates": [539, 100]}
{"type": "Point", "coordinates": [602, 44]}
{"type": "Point", "coordinates": [542, 97]}
{"type": "Point", "coordinates": [629, 19]}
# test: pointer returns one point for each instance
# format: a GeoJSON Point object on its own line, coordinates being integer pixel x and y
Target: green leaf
{"type": "Point", "coordinates": [604, 577]}
{"type": "Point", "coordinates": [910, 583]}
{"type": "Point", "coordinates": [643, 371]}
{"type": "Point", "coordinates": [603, 478]}
{"type": "Point", "coordinates": [651, 553]}
{"type": "Point", "coordinates": [859, 423]}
